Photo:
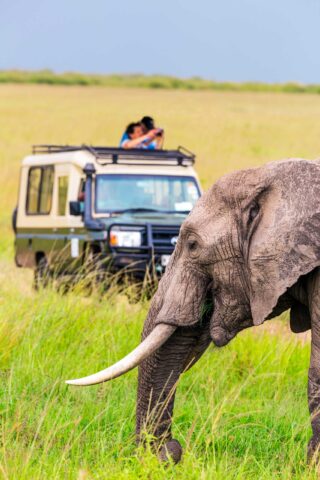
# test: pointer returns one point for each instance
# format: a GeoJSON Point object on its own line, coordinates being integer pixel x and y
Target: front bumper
{"type": "Point", "coordinates": [158, 244]}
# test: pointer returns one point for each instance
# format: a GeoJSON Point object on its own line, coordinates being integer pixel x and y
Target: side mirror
{"type": "Point", "coordinates": [76, 208]}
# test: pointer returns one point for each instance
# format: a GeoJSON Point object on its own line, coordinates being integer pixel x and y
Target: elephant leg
{"type": "Point", "coordinates": [314, 370]}
{"type": "Point", "coordinates": [158, 377]}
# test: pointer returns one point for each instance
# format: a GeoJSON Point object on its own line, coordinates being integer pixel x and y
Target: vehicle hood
{"type": "Point", "coordinates": [145, 217]}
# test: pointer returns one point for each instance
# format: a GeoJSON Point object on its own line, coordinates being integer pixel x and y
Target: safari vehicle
{"type": "Point", "coordinates": [121, 206]}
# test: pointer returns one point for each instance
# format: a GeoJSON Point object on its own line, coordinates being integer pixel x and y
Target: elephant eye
{"type": "Point", "coordinates": [192, 245]}
{"type": "Point", "coordinates": [254, 210]}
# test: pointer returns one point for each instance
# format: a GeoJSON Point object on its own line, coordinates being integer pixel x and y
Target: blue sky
{"type": "Point", "coordinates": [270, 40]}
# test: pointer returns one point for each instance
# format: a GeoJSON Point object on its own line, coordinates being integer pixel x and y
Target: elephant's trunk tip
{"type": "Point", "coordinates": [171, 451]}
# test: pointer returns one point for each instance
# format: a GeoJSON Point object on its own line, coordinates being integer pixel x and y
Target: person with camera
{"type": "Point", "coordinates": [143, 134]}
{"type": "Point", "coordinates": [147, 124]}
{"type": "Point", "coordinates": [134, 137]}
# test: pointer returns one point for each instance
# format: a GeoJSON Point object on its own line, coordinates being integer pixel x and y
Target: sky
{"type": "Point", "coordinates": [235, 40]}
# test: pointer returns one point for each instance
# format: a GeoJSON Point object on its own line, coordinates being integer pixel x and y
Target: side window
{"type": "Point", "coordinates": [39, 191]}
{"type": "Point", "coordinates": [46, 190]}
{"type": "Point", "coordinates": [62, 195]}
{"type": "Point", "coordinates": [82, 190]}
{"type": "Point", "coordinates": [33, 194]}
{"type": "Point", "coordinates": [82, 194]}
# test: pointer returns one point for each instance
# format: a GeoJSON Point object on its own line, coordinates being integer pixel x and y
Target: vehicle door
{"type": "Point", "coordinates": [34, 211]}
{"type": "Point", "coordinates": [69, 230]}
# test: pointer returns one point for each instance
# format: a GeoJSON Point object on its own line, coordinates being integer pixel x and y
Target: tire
{"type": "Point", "coordinates": [41, 274]}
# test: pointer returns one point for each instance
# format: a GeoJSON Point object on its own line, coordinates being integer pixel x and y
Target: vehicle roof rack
{"type": "Point", "coordinates": [121, 156]}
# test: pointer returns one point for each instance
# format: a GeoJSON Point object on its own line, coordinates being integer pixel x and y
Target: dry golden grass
{"type": "Point", "coordinates": [227, 130]}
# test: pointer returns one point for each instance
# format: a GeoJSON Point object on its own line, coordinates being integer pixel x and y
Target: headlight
{"type": "Point", "coordinates": [125, 238]}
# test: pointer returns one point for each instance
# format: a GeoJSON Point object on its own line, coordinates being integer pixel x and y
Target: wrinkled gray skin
{"type": "Point", "coordinates": [252, 244]}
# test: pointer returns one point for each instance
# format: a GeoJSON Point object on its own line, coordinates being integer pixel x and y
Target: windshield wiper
{"type": "Point", "coordinates": [136, 210]}
{"type": "Point", "coordinates": [141, 209]}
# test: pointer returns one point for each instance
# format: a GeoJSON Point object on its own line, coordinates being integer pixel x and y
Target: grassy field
{"type": "Point", "coordinates": [241, 412]}
{"type": "Point", "coordinates": [48, 77]}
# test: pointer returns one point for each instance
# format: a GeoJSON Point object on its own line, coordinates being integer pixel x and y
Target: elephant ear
{"type": "Point", "coordinates": [284, 243]}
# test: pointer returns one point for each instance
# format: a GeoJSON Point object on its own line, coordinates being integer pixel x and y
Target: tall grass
{"type": "Point", "coordinates": [49, 77]}
{"type": "Point", "coordinates": [241, 412]}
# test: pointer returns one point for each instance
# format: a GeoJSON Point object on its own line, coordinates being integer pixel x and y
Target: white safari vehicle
{"type": "Point", "coordinates": [122, 206]}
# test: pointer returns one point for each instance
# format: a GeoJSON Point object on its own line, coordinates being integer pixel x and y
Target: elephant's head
{"type": "Point", "coordinates": [244, 245]}
{"type": "Point", "coordinates": [271, 219]}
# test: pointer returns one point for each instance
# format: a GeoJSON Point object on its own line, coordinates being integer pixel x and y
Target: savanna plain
{"type": "Point", "coordinates": [241, 411]}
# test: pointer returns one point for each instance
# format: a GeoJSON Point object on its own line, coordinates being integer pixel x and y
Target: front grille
{"type": "Point", "coordinates": [162, 236]}
{"type": "Point", "coordinates": [156, 239]}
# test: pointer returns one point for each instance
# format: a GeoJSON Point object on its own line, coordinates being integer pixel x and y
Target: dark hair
{"type": "Point", "coordinates": [130, 128]}
{"type": "Point", "coordinates": [148, 122]}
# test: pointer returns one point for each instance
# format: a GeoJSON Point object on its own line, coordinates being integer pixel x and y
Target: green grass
{"type": "Point", "coordinates": [241, 412]}
{"type": "Point", "coordinates": [149, 81]}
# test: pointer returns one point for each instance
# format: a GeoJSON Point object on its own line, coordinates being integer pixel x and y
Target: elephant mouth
{"type": "Point", "coordinates": [221, 337]}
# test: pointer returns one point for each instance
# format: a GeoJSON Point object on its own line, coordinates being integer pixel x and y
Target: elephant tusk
{"type": "Point", "coordinates": [154, 340]}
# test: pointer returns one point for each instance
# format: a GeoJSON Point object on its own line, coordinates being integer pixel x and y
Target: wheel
{"type": "Point", "coordinates": [41, 274]}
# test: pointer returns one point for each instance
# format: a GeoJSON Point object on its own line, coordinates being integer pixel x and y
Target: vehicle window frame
{"type": "Point", "coordinates": [128, 175]}
{"type": "Point", "coordinates": [38, 213]}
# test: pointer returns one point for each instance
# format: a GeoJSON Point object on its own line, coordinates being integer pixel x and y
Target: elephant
{"type": "Point", "coordinates": [248, 251]}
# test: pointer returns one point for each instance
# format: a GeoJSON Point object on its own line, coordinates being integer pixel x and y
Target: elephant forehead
{"type": "Point", "coordinates": [211, 207]}
{"type": "Point", "coordinates": [235, 187]}
{"type": "Point", "coordinates": [213, 229]}
{"type": "Point", "coordinates": [217, 231]}
{"type": "Point", "coordinates": [208, 205]}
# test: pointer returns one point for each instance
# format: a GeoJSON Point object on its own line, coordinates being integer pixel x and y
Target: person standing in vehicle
{"type": "Point", "coordinates": [147, 124]}
{"type": "Point", "coordinates": [135, 138]}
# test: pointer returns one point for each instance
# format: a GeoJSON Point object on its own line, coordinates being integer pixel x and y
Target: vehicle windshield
{"type": "Point", "coordinates": [163, 193]}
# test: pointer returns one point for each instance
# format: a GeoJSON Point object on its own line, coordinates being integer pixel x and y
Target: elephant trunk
{"type": "Point", "coordinates": [157, 382]}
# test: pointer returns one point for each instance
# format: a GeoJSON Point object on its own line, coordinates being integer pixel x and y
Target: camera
{"type": "Point", "coordinates": [160, 132]}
